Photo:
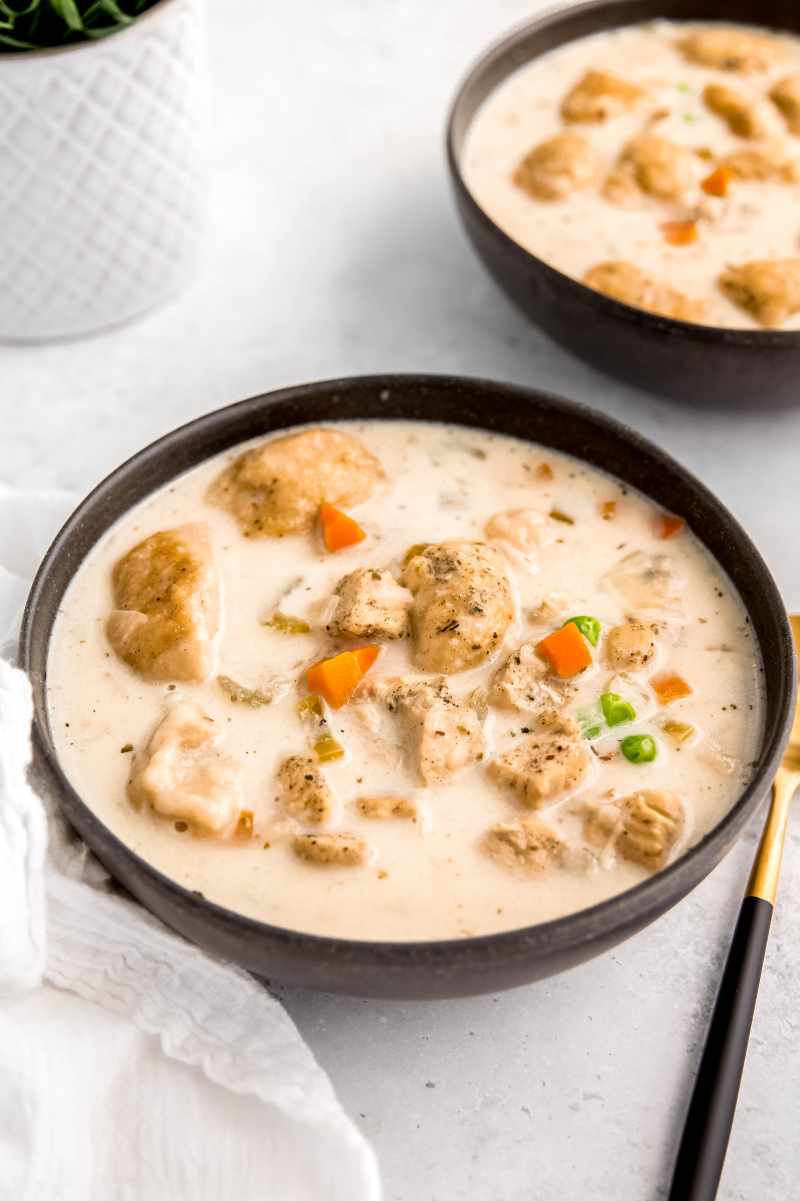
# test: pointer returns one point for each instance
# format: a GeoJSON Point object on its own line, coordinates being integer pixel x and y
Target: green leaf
{"type": "Point", "coordinates": [14, 43]}
{"type": "Point", "coordinates": [111, 9]}
{"type": "Point", "coordinates": [68, 11]}
{"type": "Point", "coordinates": [101, 31]}
{"type": "Point", "coordinates": [13, 13]}
{"type": "Point", "coordinates": [37, 24]}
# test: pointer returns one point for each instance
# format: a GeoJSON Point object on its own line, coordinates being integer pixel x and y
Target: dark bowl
{"type": "Point", "coordinates": [694, 363]}
{"type": "Point", "coordinates": [413, 969]}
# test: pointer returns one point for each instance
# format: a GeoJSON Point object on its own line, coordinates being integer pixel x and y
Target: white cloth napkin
{"type": "Point", "coordinates": [132, 1065]}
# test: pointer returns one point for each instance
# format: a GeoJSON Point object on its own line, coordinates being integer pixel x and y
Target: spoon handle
{"type": "Point", "coordinates": [708, 1123]}
{"type": "Point", "coordinates": [710, 1117]}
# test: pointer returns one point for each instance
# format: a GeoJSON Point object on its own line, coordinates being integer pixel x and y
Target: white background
{"type": "Point", "coordinates": [334, 249]}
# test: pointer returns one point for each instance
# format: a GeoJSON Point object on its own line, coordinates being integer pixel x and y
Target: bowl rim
{"type": "Point", "coordinates": [497, 50]}
{"type": "Point", "coordinates": [620, 913]}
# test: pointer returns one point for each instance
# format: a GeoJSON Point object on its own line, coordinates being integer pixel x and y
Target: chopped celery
{"type": "Point", "coordinates": [237, 694]}
{"type": "Point", "coordinates": [283, 623]}
{"type": "Point", "coordinates": [590, 720]}
{"type": "Point", "coordinates": [413, 551]}
{"type": "Point", "coordinates": [680, 731]}
{"type": "Point", "coordinates": [326, 748]}
{"type": "Point", "coordinates": [311, 706]}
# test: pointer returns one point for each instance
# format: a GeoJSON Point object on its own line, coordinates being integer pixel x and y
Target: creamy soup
{"type": "Point", "coordinates": [488, 687]}
{"type": "Point", "coordinates": [659, 163]}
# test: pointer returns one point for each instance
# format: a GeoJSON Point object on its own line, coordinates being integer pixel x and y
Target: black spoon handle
{"type": "Point", "coordinates": [710, 1116]}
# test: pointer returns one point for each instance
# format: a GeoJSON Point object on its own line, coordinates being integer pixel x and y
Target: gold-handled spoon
{"type": "Point", "coordinates": [708, 1122]}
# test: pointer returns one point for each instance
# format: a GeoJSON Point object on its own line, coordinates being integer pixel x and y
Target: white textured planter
{"type": "Point", "coordinates": [101, 175]}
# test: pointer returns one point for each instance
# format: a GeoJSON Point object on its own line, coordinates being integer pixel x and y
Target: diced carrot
{"type": "Point", "coordinates": [668, 525]}
{"type": "Point", "coordinates": [338, 530]}
{"type": "Point", "coordinates": [336, 679]}
{"type": "Point", "coordinates": [680, 233]}
{"type": "Point", "coordinates": [608, 509]}
{"type": "Point", "coordinates": [670, 687]}
{"type": "Point", "coordinates": [366, 656]}
{"type": "Point", "coordinates": [716, 184]}
{"type": "Point", "coordinates": [244, 825]}
{"type": "Point", "coordinates": [566, 650]}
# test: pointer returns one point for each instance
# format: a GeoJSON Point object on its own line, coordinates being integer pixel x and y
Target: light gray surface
{"type": "Point", "coordinates": [335, 250]}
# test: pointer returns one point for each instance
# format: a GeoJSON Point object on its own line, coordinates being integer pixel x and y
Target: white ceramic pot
{"type": "Point", "coordinates": [101, 175]}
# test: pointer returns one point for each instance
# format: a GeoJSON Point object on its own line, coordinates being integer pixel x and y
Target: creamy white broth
{"type": "Point", "coordinates": [757, 220]}
{"type": "Point", "coordinates": [431, 879]}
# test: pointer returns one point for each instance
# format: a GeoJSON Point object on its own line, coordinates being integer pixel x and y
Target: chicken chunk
{"type": "Point", "coordinates": [627, 283]}
{"type": "Point", "coordinates": [277, 488]}
{"type": "Point", "coordinates": [552, 605]}
{"type": "Point", "coordinates": [525, 683]}
{"type": "Point", "coordinates": [528, 843]}
{"type": "Point", "coordinates": [447, 733]}
{"type": "Point", "coordinates": [330, 850]}
{"type": "Point", "coordinates": [769, 163]}
{"type": "Point", "coordinates": [371, 604]}
{"type": "Point", "coordinates": [730, 49]}
{"type": "Point", "coordinates": [742, 115]}
{"type": "Point", "coordinates": [648, 584]}
{"type": "Point", "coordinates": [463, 604]}
{"type": "Point", "coordinates": [525, 530]}
{"type": "Point", "coordinates": [653, 165]}
{"type": "Point", "coordinates": [599, 96]}
{"type": "Point", "coordinates": [166, 593]}
{"type": "Point", "coordinates": [387, 806]}
{"type": "Point", "coordinates": [785, 95]}
{"type": "Point", "coordinates": [542, 767]}
{"type": "Point", "coordinates": [557, 722]}
{"type": "Point", "coordinates": [769, 289]}
{"type": "Point", "coordinates": [305, 793]}
{"type": "Point", "coordinates": [630, 646]}
{"type": "Point", "coordinates": [559, 165]}
{"type": "Point", "coordinates": [644, 827]}
{"type": "Point", "coordinates": [184, 774]}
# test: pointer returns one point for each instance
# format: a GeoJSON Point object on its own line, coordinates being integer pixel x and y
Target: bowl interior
{"type": "Point", "coordinates": [538, 37]}
{"type": "Point", "coordinates": [554, 29]}
{"type": "Point", "coordinates": [504, 408]}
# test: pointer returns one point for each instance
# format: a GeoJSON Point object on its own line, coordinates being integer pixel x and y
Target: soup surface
{"type": "Point", "coordinates": [486, 763]}
{"type": "Point", "coordinates": [659, 163]}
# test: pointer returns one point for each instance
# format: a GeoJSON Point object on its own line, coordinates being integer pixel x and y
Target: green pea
{"type": "Point", "coordinates": [639, 748]}
{"type": "Point", "coordinates": [615, 709]}
{"type": "Point", "coordinates": [589, 626]}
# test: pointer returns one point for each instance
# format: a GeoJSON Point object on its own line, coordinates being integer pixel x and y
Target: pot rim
{"type": "Point", "coordinates": [41, 52]}
{"type": "Point", "coordinates": [622, 912]}
{"type": "Point", "coordinates": [498, 49]}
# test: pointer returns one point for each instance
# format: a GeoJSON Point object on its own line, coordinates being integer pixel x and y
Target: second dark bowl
{"type": "Point", "coordinates": [413, 969]}
{"type": "Point", "coordinates": [698, 364]}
